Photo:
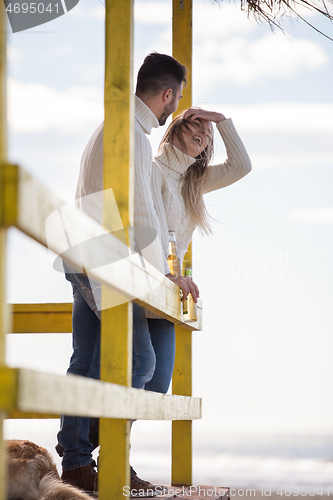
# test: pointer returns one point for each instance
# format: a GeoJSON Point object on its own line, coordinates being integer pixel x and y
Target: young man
{"type": "Point", "coordinates": [159, 89]}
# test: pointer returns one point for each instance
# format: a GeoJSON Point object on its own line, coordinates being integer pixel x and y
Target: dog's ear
{"type": "Point", "coordinates": [28, 456]}
{"type": "Point", "coordinates": [23, 449]}
{"type": "Point", "coordinates": [33, 474]}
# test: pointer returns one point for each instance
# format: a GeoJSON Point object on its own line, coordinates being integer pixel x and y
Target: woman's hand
{"type": "Point", "coordinates": [186, 284]}
{"type": "Point", "coordinates": [202, 114]}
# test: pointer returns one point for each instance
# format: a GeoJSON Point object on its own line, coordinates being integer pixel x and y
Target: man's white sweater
{"type": "Point", "coordinates": [91, 181]}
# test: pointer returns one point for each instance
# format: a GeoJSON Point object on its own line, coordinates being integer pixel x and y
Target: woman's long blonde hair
{"type": "Point", "coordinates": [193, 181]}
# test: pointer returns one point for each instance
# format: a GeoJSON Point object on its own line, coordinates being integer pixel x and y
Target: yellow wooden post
{"type": "Point", "coordinates": [3, 330]}
{"type": "Point", "coordinates": [182, 45]}
{"type": "Point", "coordinates": [116, 329]}
{"type": "Point", "coordinates": [182, 376]}
{"type": "Point", "coordinates": [182, 429]}
{"type": "Point", "coordinates": [3, 234]}
{"type": "Point", "coordinates": [3, 159]}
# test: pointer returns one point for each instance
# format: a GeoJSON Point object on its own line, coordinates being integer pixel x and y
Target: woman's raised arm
{"type": "Point", "coordinates": [203, 114]}
{"type": "Point", "coordinates": [237, 164]}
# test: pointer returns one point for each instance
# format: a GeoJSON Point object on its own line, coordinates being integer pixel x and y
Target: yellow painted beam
{"type": "Point", "coordinates": [14, 414]}
{"type": "Point", "coordinates": [9, 183]}
{"type": "Point", "coordinates": [181, 470]}
{"type": "Point", "coordinates": [116, 357]}
{"type": "Point", "coordinates": [42, 318]}
{"type": "Point", "coordinates": [116, 328]}
{"type": "Point", "coordinates": [57, 318]}
{"type": "Point", "coordinates": [3, 86]}
{"type": "Point", "coordinates": [4, 309]}
{"type": "Point", "coordinates": [182, 45]}
{"type": "Point", "coordinates": [119, 111]}
{"type": "Point", "coordinates": [3, 489]}
{"type": "Point", "coordinates": [182, 375]}
{"type": "Point", "coordinates": [8, 388]}
{"type": "Point", "coordinates": [113, 459]}
{"type": "Point", "coordinates": [8, 400]}
{"type": "Point", "coordinates": [6, 382]}
{"type": "Point", "coordinates": [182, 19]}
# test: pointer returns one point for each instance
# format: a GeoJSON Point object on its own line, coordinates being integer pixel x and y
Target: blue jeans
{"type": "Point", "coordinates": [153, 360]}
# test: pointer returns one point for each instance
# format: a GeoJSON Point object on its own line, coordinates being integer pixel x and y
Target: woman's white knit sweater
{"type": "Point", "coordinates": [168, 168]}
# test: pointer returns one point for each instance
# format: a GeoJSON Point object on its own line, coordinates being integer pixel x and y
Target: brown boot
{"type": "Point", "coordinates": [141, 488]}
{"type": "Point", "coordinates": [84, 478]}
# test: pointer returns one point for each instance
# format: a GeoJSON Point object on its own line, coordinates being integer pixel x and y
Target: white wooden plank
{"type": "Point", "coordinates": [131, 277]}
{"type": "Point", "coordinates": [74, 395]}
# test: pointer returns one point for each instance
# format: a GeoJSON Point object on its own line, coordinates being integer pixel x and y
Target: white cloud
{"type": "Point", "coordinates": [220, 22]}
{"type": "Point", "coordinates": [153, 12]}
{"type": "Point", "coordinates": [230, 16]}
{"type": "Point", "coordinates": [242, 61]}
{"type": "Point", "coordinates": [281, 159]}
{"type": "Point", "coordinates": [225, 49]}
{"type": "Point", "coordinates": [13, 54]}
{"type": "Point", "coordinates": [34, 108]}
{"type": "Point", "coordinates": [60, 51]}
{"type": "Point", "coordinates": [283, 57]}
{"type": "Point", "coordinates": [207, 18]}
{"type": "Point", "coordinates": [308, 13]}
{"type": "Point", "coordinates": [281, 134]}
{"type": "Point", "coordinates": [98, 12]}
{"type": "Point", "coordinates": [311, 215]}
{"type": "Point", "coordinates": [286, 117]}
{"type": "Point", "coordinates": [145, 12]}
{"type": "Point", "coordinates": [81, 11]}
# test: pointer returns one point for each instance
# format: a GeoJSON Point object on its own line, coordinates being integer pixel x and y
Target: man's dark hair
{"type": "Point", "coordinates": [159, 72]}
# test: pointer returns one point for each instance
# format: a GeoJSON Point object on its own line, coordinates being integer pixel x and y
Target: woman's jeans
{"type": "Point", "coordinates": [153, 361]}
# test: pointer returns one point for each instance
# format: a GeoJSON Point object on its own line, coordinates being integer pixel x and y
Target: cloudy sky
{"type": "Point", "coordinates": [265, 276]}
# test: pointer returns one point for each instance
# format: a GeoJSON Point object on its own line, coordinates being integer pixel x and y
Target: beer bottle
{"type": "Point", "coordinates": [189, 306]}
{"type": "Point", "coordinates": [173, 257]}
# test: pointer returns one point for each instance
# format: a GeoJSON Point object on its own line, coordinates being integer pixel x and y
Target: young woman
{"type": "Point", "coordinates": [181, 175]}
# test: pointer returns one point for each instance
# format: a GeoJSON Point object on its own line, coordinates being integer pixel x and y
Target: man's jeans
{"type": "Point", "coordinates": [153, 360]}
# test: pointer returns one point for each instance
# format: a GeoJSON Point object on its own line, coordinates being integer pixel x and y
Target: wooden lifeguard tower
{"type": "Point", "coordinates": [25, 204]}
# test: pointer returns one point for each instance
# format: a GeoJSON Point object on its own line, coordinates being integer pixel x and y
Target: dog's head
{"type": "Point", "coordinates": [27, 456]}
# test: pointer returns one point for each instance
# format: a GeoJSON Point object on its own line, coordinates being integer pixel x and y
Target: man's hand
{"type": "Point", "coordinates": [186, 284]}
{"type": "Point", "coordinates": [202, 114]}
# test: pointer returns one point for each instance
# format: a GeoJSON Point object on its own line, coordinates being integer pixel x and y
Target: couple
{"type": "Point", "coordinates": [169, 191]}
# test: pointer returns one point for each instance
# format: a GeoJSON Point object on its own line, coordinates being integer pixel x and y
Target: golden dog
{"type": "Point", "coordinates": [32, 475]}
